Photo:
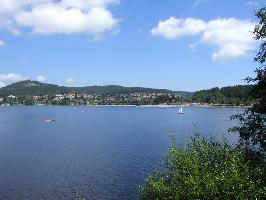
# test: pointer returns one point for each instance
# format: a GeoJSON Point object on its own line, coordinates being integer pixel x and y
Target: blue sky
{"type": "Point", "coordinates": [199, 43]}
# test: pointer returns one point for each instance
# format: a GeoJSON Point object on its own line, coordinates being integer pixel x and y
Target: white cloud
{"type": "Point", "coordinates": [10, 78]}
{"type": "Point", "coordinates": [40, 78]}
{"type": "Point", "coordinates": [58, 17]}
{"type": "Point", "coordinates": [174, 28]}
{"type": "Point", "coordinates": [232, 37]}
{"type": "Point", "coordinates": [2, 43]}
{"type": "Point", "coordinates": [87, 4]}
{"type": "Point", "coordinates": [193, 47]}
{"type": "Point", "coordinates": [251, 3]}
{"type": "Point", "coordinates": [70, 81]}
{"type": "Point", "coordinates": [2, 84]}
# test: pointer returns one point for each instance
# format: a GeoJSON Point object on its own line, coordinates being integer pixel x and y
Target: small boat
{"type": "Point", "coordinates": [181, 112]}
{"type": "Point", "coordinates": [49, 120]}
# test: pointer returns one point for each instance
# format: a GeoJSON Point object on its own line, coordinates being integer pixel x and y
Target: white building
{"type": "Point", "coordinates": [11, 97]}
{"type": "Point", "coordinates": [58, 97]}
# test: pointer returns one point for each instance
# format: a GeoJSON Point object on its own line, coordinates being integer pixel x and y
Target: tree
{"type": "Point", "coordinates": [205, 170]}
{"type": "Point", "coordinates": [252, 128]}
{"type": "Point", "coordinates": [215, 170]}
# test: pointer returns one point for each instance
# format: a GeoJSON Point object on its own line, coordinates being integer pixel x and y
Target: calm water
{"type": "Point", "coordinates": [98, 152]}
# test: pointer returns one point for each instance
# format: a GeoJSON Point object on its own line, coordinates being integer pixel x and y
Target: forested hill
{"type": "Point", "coordinates": [36, 88]}
{"type": "Point", "coordinates": [232, 95]}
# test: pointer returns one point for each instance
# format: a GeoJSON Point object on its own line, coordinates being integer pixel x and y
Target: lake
{"type": "Point", "coordinates": [98, 152]}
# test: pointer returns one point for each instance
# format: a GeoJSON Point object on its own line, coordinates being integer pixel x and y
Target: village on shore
{"type": "Point", "coordinates": [143, 99]}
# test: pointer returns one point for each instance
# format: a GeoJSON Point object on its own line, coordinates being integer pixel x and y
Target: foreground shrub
{"type": "Point", "coordinates": [205, 170]}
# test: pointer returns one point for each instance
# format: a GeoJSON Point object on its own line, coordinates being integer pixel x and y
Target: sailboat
{"type": "Point", "coordinates": [181, 112]}
{"type": "Point", "coordinates": [49, 120]}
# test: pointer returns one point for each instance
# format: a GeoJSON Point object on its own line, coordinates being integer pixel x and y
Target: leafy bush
{"type": "Point", "coordinates": [205, 170]}
{"type": "Point", "coordinates": [78, 197]}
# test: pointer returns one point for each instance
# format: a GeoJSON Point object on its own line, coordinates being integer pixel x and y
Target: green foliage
{"type": "Point", "coordinates": [165, 98]}
{"type": "Point", "coordinates": [36, 88]}
{"type": "Point", "coordinates": [233, 95]}
{"type": "Point", "coordinates": [252, 128]}
{"type": "Point", "coordinates": [78, 197]}
{"type": "Point", "coordinates": [260, 34]}
{"type": "Point", "coordinates": [205, 170]}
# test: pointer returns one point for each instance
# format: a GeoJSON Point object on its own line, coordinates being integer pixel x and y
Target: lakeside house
{"type": "Point", "coordinates": [86, 98]}
{"type": "Point", "coordinates": [58, 97]}
{"type": "Point", "coordinates": [40, 98]}
{"type": "Point", "coordinates": [11, 97]}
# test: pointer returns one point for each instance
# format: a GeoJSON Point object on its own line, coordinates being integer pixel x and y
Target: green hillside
{"type": "Point", "coordinates": [238, 94]}
{"type": "Point", "coordinates": [29, 87]}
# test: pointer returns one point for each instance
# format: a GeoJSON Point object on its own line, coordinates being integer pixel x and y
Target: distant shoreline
{"type": "Point", "coordinates": [145, 106]}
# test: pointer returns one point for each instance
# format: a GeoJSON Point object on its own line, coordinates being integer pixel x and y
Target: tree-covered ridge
{"type": "Point", "coordinates": [233, 95]}
{"type": "Point", "coordinates": [36, 88]}
{"type": "Point", "coordinates": [31, 88]}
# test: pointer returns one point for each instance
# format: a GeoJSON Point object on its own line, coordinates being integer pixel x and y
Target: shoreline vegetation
{"type": "Point", "coordinates": [212, 169]}
{"type": "Point", "coordinates": [206, 169]}
{"type": "Point", "coordinates": [36, 93]}
{"type": "Point", "coordinates": [141, 106]}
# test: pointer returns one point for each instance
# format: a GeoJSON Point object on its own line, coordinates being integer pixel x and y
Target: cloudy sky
{"type": "Point", "coordinates": [179, 45]}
